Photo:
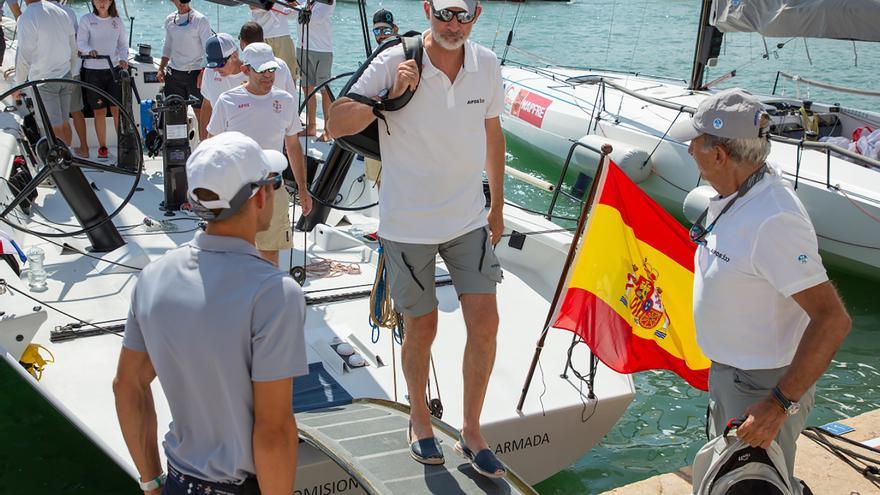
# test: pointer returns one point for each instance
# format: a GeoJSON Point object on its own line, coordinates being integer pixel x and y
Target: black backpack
{"type": "Point", "coordinates": [366, 142]}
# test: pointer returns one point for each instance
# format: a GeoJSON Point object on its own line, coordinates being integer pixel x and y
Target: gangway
{"type": "Point", "coordinates": [367, 438]}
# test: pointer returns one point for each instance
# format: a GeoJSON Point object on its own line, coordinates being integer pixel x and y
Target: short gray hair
{"type": "Point", "coordinates": [750, 150]}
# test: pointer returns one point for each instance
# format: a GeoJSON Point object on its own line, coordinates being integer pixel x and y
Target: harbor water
{"type": "Point", "coordinates": [661, 431]}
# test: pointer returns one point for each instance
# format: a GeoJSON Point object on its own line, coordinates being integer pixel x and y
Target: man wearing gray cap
{"type": "Point", "coordinates": [431, 202]}
{"type": "Point", "coordinates": [222, 329]}
{"type": "Point", "coordinates": [765, 312]}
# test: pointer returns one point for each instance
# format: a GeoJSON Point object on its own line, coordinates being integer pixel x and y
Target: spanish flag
{"type": "Point", "coordinates": [630, 289]}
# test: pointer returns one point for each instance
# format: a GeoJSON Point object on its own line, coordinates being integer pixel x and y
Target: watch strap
{"type": "Point", "coordinates": [781, 399]}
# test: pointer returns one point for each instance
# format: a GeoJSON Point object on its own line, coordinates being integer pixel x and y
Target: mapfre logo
{"type": "Point", "coordinates": [243, 105]}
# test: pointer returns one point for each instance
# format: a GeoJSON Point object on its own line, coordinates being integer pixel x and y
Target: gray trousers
{"type": "Point", "coordinates": [732, 391]}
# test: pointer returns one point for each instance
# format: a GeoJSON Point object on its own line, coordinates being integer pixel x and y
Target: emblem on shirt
{"type": "Point", "coordinates": [276, 105]}
{"type": "Point", "coordinates": [642, 297]}
{"type": "Point", "coordinates": [803, 259]}
{"type": "Point", "coordinates": [115, 25]}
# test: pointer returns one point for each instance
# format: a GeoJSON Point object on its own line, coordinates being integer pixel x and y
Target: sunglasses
{"type": "Point", "coordinates": [269, 70]}
{"type": "Point", "coordinates": [185, 23]}
{"type": "Point", "coordinates": [246, 192]}
{"type": "Point", "coordinates": [446, 15]}
{"type": "Point", "coordinates": [274, 180]}
{"type": "Point", "coordinates": [382, 31]}
{"type": "Point", "coordinates": [698, 233]}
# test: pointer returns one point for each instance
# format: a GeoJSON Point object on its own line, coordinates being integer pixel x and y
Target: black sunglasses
{"type": "Point", "coordinates": [274, 180]}
{"type": "Point", "coordinates": [447, 15]}
{"type": "Point", "coordinates": [379, 31]}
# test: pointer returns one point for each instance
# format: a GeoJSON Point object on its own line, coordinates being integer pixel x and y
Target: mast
{"type": "Point", "coordinates": [704, 44]}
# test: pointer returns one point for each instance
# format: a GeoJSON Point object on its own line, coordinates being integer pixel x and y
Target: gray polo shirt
{"type": "Point", "coordinates": [213, 317]}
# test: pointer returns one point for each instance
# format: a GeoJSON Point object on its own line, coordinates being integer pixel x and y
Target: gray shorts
{"type": "Point", "coordinates": [470, 259]}
{"type": "Point", "coordinates": [57, 98]}
{"type": "Point", "coordinates": [732, 391]}
{"type": "Point", "coordinates": [318, 65]}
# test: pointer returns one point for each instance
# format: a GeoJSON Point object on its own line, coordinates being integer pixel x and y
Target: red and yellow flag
{"type": "Point", "coordinates": [630, 289]}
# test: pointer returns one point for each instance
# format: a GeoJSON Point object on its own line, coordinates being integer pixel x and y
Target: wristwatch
{"type": "Point", "coordinates": [790, 407]}
{"type": "Point", "coordinates": [153, 484]}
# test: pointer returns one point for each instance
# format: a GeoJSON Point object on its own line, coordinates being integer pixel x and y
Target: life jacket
{"type": "Point", "coordinates": [728, 466]}
{"type": "Point", "coordinates": [366, 142]}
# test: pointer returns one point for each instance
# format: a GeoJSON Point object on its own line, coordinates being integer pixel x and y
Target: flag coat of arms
{"type": "Point", "coordinates": [629, 294]}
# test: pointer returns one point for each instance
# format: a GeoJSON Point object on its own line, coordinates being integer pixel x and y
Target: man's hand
{"type": "Point", "coordinates": [305, 201]}
{"type": "Point", "coordinates": [407, 77]}
{"type": "Point", "coordinates": [160, 76]}
{"type": "Point", "coordinates": [123, 65]}
{"type": "Point", "coordinates": [763, 422]}
{"type": "Point", "coordinates": [496, 224]}
{"type": "Point", "coordinates": [93, 53]}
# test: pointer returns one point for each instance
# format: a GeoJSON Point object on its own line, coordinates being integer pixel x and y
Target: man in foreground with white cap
{"type": "Point", "coordinates": [223, 330]}
{"type": "Point", "coordinates": [431, 201]}
{"type": "Point", "coordinates": [269, 116]}
{"type": "Point", "coordinates": [765, 312]}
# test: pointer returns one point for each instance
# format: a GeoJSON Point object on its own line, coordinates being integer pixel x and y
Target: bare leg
{"type": "Point", "coordinates": [481, 318]}
{"type": "Point", "coordinates": [101, 126]}
{"type": "Point", "coordinates": [79, 123]}
{"type": "Point", "coordinates": [115, 112]}
{"type": "Point", "coordinates": [325, 108]}
{"type": "Point", "coordinates": [415, 357]}
{"type": "Point", "coordinates": [62, 132]}
{"type": "Point", "coordinates": [311, 117]}
{"type": "Point", "coordinates": [271, 256]}
{"type": "Point", "coordinates": [203, 125]}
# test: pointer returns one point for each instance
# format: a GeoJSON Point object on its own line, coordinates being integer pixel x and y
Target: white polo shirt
{"type": "Point", "coordinates": [761, 252]}
{"type": "Point", "coordinates": [267, 119]}
{"type": "Point", "coordinates": [433, 160]}
{"type": "Point", "coordinates": [46, 43]}
{"type": "Point", "coordinates": [185, 38]}
{"type": "Point", "coordinates": [274, 22]}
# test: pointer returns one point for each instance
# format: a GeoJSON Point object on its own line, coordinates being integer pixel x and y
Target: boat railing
{"type": "Point", "coordinates": [558, 189]}
{"type": "Point", "coordinates": [801, 144]}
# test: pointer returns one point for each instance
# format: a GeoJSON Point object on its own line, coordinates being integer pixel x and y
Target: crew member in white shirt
{"type": "Point", "coordinates": [183, 55]}
{"type": "Point", "coordinates": [76, 95]}
{"type": "Point", "coordinates": [16, 12]}
{"type": "Point", "coordinates": [276, 30]}
{"type": "Point", "coordinates": [47, 49]}
{"type": "Point", "coordinates": [431, 202]}
{"type": "Point", "coordinates": [102, 33]}
{"type": "Point", "coordinates": [314, 55]}
{"type": "Point", "coordinates": [269, 116]}
{"type": "Point", "coordinates": [222, 71]}
{"type": "Point", "coordinates": [765, 312]}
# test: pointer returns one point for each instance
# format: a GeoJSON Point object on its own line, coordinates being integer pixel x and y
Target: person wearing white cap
{"type": "Point", "coordinates": [431, 202]}
{"type": "Point", "coordinates": [222, 329]}
{"type": "Point", "coordinates": [251, 32]}
{"type": "Point", "coordinates": [765, 312]}
{"type": "Point", "coordinates": [268, 115]}
{"type": "Point", "coordinates": [222, 71]}
{"type": "Point", "coordinates": [186, 33]}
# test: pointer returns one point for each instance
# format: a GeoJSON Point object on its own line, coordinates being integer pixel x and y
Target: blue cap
{"type": "Point", "coordinates": [218, 48]}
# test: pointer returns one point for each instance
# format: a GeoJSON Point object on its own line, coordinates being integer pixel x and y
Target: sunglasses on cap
{"type": "Point", "coordinates": [446, 15]}
{"type": "Point", "coordinates": [382, 31]}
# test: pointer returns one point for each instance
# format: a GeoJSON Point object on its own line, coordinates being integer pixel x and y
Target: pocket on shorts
{"type": "Point", "coordinates": [404, 286]}
{"type": "Point", "coordinates": [490, 266]}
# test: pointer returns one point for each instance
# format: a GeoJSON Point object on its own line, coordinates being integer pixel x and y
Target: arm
{"type": "Point", "coordinates": [166, 54]}
{"type": "Point", "coordinates": [15, 9]}
{"type": "Point", "coordinates": [828, 327]}
{"type": "Point", "coordinates": [298, 167]}
{"type": "Point", "coordinates": [348, 117]}
{"type": "Point", "coordinates": [136, 411]}
{"type": "Point", "coordinates": [205, 113]}
{"type": "Point", "coordinates": [495, 159]}
{"type": "Point", "coordinates": [82, 36]}
{"type": "Point", "coordinates": [275, 436]}
{"type": "Point", "coordinates": [25, 52]}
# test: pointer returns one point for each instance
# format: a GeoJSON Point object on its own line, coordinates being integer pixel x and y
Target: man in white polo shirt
{"type": "Point", "coordinates": [222, 71]}
{"type": "Point", "coordinates": [226, 342]}
{"type": "Point", "coordinates": [434, 151]}
{"type": "Point", "coordinates": [251, 32]}
{"type": "Point", "coordinates": [765, 312]}
{"type": "Point", "coordinates": [269, 116]}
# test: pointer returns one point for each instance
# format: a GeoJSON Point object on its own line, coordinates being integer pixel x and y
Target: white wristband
{"type": "Point", "coordinates": [153, 484]}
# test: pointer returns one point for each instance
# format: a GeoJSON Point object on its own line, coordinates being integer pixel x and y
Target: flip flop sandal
{"type": "Point", "coordinates": [483, 462]}
{"type": "Point", "coordinates": [426, 451]}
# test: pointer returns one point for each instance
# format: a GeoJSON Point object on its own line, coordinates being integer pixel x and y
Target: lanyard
{"type": "Point", "coordinates": [698, 232]}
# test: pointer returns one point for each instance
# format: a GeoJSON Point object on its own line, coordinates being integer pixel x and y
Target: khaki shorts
{"type": "Point", "coordinates": [282, 47]}
{"type": "Point", "coordinates": [372, 169]}
{"type": "Point", "coordinates": [470, 259]}
{"type": "Point", "coordinates": [279, 234]}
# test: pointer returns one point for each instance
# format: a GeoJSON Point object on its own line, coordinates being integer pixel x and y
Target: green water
{"type": "Point", "coordinates": [42, 453]}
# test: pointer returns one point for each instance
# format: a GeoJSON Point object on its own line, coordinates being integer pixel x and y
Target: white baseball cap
{"type": "Point", "coordinates": [259, 57]}
{"type": "Point", "coordinates": [732, 114]}
{"type": "Point", "coordinates": [469, 6]}
{"type": "Point", "coordinates": [232, 166]}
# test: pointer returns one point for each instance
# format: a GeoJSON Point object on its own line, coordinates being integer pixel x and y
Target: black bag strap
{"type": "Point", "coordinates": [412, 50]}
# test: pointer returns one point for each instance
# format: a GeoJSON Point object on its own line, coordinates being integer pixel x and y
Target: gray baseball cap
{"type": "Point", "coordinates": [469, 6]}
{"type": "Point", "coordinates": [732, 113]}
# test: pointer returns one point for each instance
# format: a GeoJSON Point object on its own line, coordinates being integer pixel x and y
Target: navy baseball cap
{"type": "Point", "coordinates": [383, 18]}
{"type": "Point", "coordinates": [218, 48]}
